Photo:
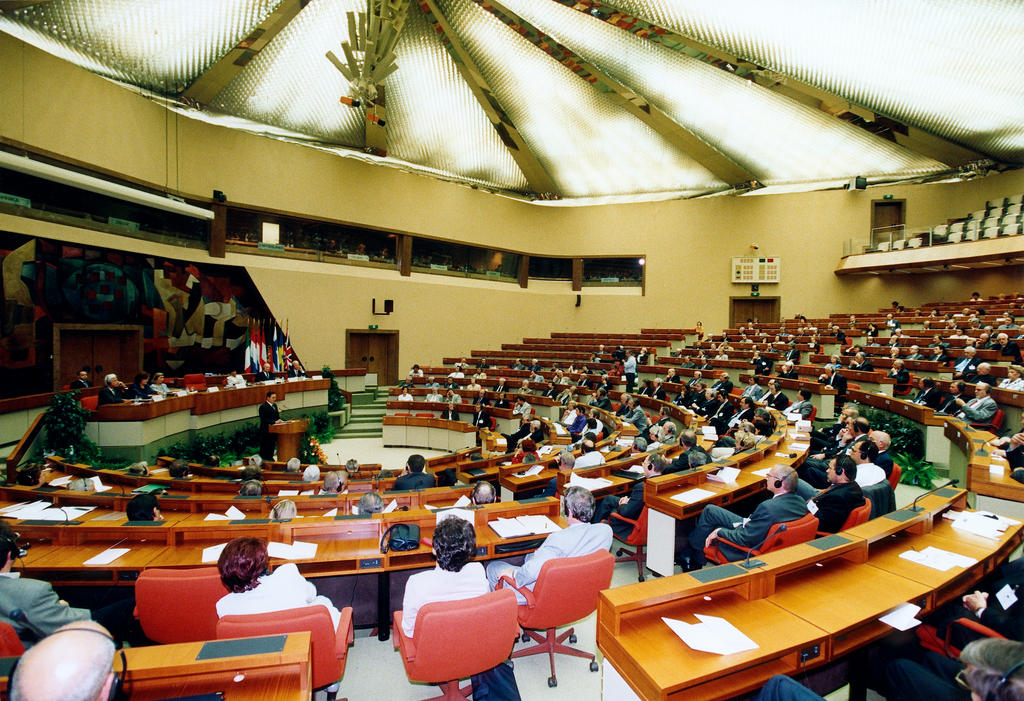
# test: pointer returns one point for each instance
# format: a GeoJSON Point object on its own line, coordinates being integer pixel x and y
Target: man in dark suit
{"type": "Point", "coordinates": [861, 363]}
{"type": "Point", "coordinates": [268, 415]}
{"type": "Point", "coordinates": [843, 495]}
{"type": "Point", "coordinates": [657, 391]}
{"type": "Point", "coordinates": [264, 375]}
{"type": "Point", "coordinates": [762, 366]}
{"type": "Point", "coordinates": [836, 381]}
{"type": "Point", "coordinates": [882, 440]}
{"type": "Point", "coordinates": [788, 371]}
{"type": "Point", "coordinates": [775, 397]}
{"type": "Point", "coordinates": [928, 395]}
{"type": "Point", "coordinates": [716, 522]}
{"type": "Point", "coordinates": [688, 442]}
{"type": "Point", "coordinates": [112, 392]}
{"type": "Point", "coordinates": [632, 504]}
{"type": "Point", "coordinates": [82, 381]}
{"type": "Point", "coordinates": [413, 477]}
{"type": "Point", "coordinates": [949, 403]}
{"type": "Point", "coordinates": [722, 412]}
{"type": "Point", "coordinates": [601, 400]}
{"type": "Point", "coordinates": [964, 367]}
{"type": "Point", "coordinates": [723, 384]}
{"type": "Point", "coordinates": [793, 354]}
{"type": "Point", "coordinates": [481, 417]}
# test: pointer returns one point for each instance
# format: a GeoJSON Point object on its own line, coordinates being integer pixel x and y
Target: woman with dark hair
{"type": "Point", "coordinates": [243, 569]}
{"type": "Point", "coordinates": [454, 578]}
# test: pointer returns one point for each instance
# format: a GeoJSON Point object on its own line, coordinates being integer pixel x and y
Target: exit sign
{"type": "Point", "coordinates": [372, 327]}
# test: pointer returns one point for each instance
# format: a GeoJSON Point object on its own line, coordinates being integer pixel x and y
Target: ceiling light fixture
{"type": "Point", "coordinates": [369, 52]}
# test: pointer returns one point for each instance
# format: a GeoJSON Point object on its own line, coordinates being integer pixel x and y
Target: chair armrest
{"type": "Point", "coordinates": [402, 641]}
{"type": "Point", "coordinates": [135, 612]}
{"type": "Point", "coordinates": [980, 628]}
{"type": "Point", "coordinates": [345, 633]}
{"type": "Point", "coordinates": [734, 545]}
{"type": "Point", "coordinates": [620, 517]}
{"type": "Point", "coordinates": [531, 601]}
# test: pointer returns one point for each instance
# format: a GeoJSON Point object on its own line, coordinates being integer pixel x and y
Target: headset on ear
{"type": "Point", "coordinates": [838, 470]}
{"type": "Point", "coordinates": [778, 484]}
{"type": "Point", "coordinates": [995, 692]}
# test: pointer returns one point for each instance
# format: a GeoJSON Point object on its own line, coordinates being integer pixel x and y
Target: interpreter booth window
{"type": "Point", "coordinates": [34, 197]}
{"type": "Point", "coordinates": [444, 258]}
{"type": "Point", "coordinates": [613, 272]}
{"type": "Point", "coordinates": [550, 268]}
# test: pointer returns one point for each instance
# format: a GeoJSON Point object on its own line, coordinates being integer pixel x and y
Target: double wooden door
{"type": "Point", "coordinates": [377, 351]}
{"type": "Point", "coordinates": [99, 348]}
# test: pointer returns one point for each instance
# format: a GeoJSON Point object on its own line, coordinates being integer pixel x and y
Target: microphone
{"type": "Point", "coordinates": [951, 483]}
{"type": "Point", "coordinates": [758, 563]}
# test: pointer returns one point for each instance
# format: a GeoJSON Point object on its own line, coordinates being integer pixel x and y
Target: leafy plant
{"type": "Point", "coordinates": [915, 470]}
{"type": "Point", "coordinates": [64, 425]}
{"type": "Point", "coordinates": [335, 399]}
{"type": "Point", "coordinates": [906, 437]}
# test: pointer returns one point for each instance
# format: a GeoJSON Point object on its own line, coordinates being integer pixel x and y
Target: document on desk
{"type": "Point", "coordinates": [692, 496]}
{"type": "Point", "coordinates": [25, 511]}
{"type": "Point", "coordinates": [938, 559]}
{"type": "Point", "coordinates": [902, 617]}
{"type": "Point", "coordinates": [546, 449]}
{"type": "Point", "coordinates": [725, 475]}
{"type": "Point", "coordinates": [535, 470]}
{"type": "Point", "coordinates": [288, 493]}
{"type": "Point", "coordinates": [983, 523]}
{"type": "Point", "coordinates": [234, 512]}
{"type": "Point", "coordinates": [763, 472]}
{"type": "Point", "coordinates": [523, 525]}
{"type": "Point", "coordinates": [298, 550]}
{"type": "Point", "coordinates": [390, 507]}
{"type": "Point", "coordinates": [799, 447]}
{"type": "Point", "coordinates": [712, 634]}
{"type": "Point", "coordinates": [100, 487]}
{"type": "Point", "coordinates": [624, 442]}
{"type": "Point", "coordinates": [332, 512]}
{"type": "Point", "coordinates": [107, 556]}
{"type": "Point", "coordinates": [590, 483]}
{"type": "Point", "coordinates": [217, 517]}
{"type": "Point", "coordinates": [461, 502]}
{"type": "Point", "coordinates": [62, 513]}
{"type": "Point", "coordinates": [60, 481]}
{"type": "Point", "coordinates": [212, 553]}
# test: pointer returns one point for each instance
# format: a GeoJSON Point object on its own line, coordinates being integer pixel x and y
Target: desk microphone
{"type": "Point", "coordinates": [951, 483]}
{"type": "Point", "coordinates": [757, 563]}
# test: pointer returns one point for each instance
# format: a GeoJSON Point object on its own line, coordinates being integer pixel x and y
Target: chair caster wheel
{"type": "Point", "coordinates": [572, 639]}
{"type": "Point", "coordinates": [620, 552]}
{"type": "Point", "coordinates": [552, 682]}
{"type": "Point", "coordinates": [640, 578]}
{"type": "Point", "coordinates": [593, 666]}
{"type": "Point", "coordinates": [524, 637]}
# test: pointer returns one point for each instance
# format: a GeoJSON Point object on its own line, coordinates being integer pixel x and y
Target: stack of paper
{"type": "Point", "coordinates": [100, 487]}
{"type": "Point", "coordinates": [535, 470]}
{"type": "Point", "coordinates": [726, 474]}
{"type": "Point", "coordinates": [590, 483]}
{"type": "Point", "coordinates": [107, 556]}
{"type": "Point", "coordinates": [546, 449]}
{"type": "Point", "coordinates": [982, 523]}
{"type": "Point", "coordinates": [799, 447]}
{"type": "Point", "coordinates": [560, 430]}
{"type": "Point", "coordinates": [937, 558]}
{"type": "Point", "coordinates": [709, 432]}
{"type": "Point", "coordinates": [390, 507]}
{"type": "Point", "coordinates": [523, 525]}
{"type": "Point", "coordinates": [288, 493]}
{"type": "Point", "coordinates": [298, 550]}
{"type": "Point", "coordinates": [624, 442]}
{"type": "Point", "coordinates": [212, 553]}
{"type": "Point", "coordinates": [902, 617]}
{"type": "Point", "coordinates": [692, 496]}
{"type": "Point", "coordinates": [25, 511]}
{"type": "Point", "coordinates": [712, 634]}
{"type": "Point", "coordinates": [60, 481]}
{"type": "Point", "coordinates": [233, 513]}
{"type": "Point", "coordinates": [62, 513]}
{"type": "Point", "coordinates": [763, 472]}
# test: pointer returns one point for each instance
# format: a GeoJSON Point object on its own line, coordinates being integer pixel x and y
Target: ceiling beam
{"type": "Point", "coordinates": [12, 5]}
{"type": "Point", "coordinates": [536, 177]}
{"type": "Point", "coordinates": [718, 163]}
{"type": "Point", "coordinates": [215, 78]}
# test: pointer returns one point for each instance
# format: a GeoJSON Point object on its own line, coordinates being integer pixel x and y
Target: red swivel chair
{"type": "Point", "coordinates": [799, 531]}
{"type": "Point", "coordinates": [858, 516]}
{"type": "Point", "coordinates": [929, 638]}
{"type": "Point", "coordinates": [993, 425]}
{"type": "Point", "coordinates": [329, 646]}
{"type": "Point", "coordinates": [547, 607]}
{"type": "Point", "coordinates": [90, 403]}
{"type": "Point", "coordinates": [10, 643]}
{"type": "Point", "coordinates": [894, 476]}
{"type": "Point", "coordinates": [438, 654]}
{"type": "Point", "coordinates": [195, 381]}
{"type": "Point", "coordinates": [637, 538]}
{"type": "Point", "coordinates": [903, 390]}
{"type": "Point", "coordinates": [178, 606]}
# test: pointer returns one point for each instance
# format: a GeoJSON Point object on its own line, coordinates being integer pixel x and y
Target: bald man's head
{"type": "Point", "coordinates": [74, 663]}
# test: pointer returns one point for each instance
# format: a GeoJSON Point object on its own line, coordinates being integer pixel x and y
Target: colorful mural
{"type": "Point", "coordinates": [194, 317]}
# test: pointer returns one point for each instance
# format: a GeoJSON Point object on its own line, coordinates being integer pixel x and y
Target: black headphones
{"type": "Point", "coordinates": [995, 693]}
{"type": "Point", "coordinates": [778, 484]}
{"type": "Point", "coordinates": [117, 692]}
{"type": "Point", "coordinates": [838, 470]}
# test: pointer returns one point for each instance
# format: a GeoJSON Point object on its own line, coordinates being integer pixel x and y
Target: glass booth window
{"type": "Point", "coordinates": [624, 272]}
{"type": "Point", "coordinates": [445, 258]}
{"type": "Point", "coordinates": [550, 268]}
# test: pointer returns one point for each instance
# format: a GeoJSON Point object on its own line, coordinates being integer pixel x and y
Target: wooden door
{"type": "Point", "coordinates": [377, 352]}
{"type": "Point", "coordinates": [887, 214]}
{"type": "Point", "coordinates": [763, 309]}
{"type": "Point", "coordinates": [100, 348]}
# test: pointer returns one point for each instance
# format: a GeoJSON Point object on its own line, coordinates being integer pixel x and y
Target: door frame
{"type": "Point", "coordinates": [748, 298]}
{"type": "Point", "coordinates": [392, 347]}
{"type": "Point", "coordinates": [59, 328]}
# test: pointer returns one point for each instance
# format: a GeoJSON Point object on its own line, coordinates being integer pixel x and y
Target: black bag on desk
{"type": "Point", "coordinates": [497, 684]}
{"type": "Point", "coordinates": [399, 537]}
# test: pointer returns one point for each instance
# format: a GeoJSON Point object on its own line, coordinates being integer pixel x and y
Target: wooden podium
{"type": "Point", "coordinates": [288, 434]}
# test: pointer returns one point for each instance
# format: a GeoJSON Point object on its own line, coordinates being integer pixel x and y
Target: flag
{"type": "Point", "coordinates": [247, 362]}
{"type": "Point", "coordinates": [289, 354]}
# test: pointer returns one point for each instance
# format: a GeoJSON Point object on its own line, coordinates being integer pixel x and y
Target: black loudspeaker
{"type": "Point", "coordinates": [389, 306]}
{"type": "Point", "coordinates": [579, 300]}
{"type": "Point", "coordinates": [219, 196]}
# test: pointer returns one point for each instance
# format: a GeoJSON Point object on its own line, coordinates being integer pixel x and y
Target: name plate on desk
{"type": "Point", "coordinates": [828, 542]}
{"type": "Point", "coordinates": [239, 648]}
{"type": "Point", "coordinates": [713, 574]}
{"type": "Point", "coordinates": [901, 515]}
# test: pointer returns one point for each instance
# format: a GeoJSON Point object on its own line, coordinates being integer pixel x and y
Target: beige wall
{"type": "Point", "coordinates": [51, 106]}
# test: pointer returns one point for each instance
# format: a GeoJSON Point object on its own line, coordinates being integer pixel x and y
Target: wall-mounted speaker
{"type": "Point", "coordinates": [389, 307]}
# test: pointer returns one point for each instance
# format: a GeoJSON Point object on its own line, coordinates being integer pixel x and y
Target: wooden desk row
{"type": "Point", "coordinates": [807, 605]}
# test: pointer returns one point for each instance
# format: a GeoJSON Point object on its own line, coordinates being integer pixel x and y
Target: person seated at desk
{"type": "Point", "coordinates": [81, 484]}
{"type": "Point", "coordinates": [832, 379]}
{"type": "Point", "coordinates": [140, 389]}
{"type": "Point", "coordinates": [82, 381]}
{"type": "Point", "coordinates": [178, 469]}
{"type": "Point", "coordinates": [575, 421]}
{"type": "Point", "coordinates": [311, 474]}
{"type": "Point", "coordinates": [928, 394]}
{"type": "Point", "coordinates": [714, 522]}
{"type": "Point", "coordinates": [589, 455]}
{"type": "Point", "coordinates": [1014, 379]}
{"type": "Point", "coordinates": [296, 370]}
{"type": "Point", "coordinates": [788, 371]}
{"type": "Point", "coordinates": [631, 504]}
{"type": "Point", "coordinates": [32, 608]}
{"type": "Point", "coordinates": [293, 465]}
{"type": "Point", "coordinates": [284, 510]}
{"type": "Point", "coordinates": [743, 439]}
{"type": "Point", "coordinates": [1007, 348]}
{"type": "Point", "coordinates": [580, 537]}
{"type": "Point", "coordinates": [746, 413]}
{"type": "Point", "coordinates": [1012, 448]}
{"type": "Point", "coordinates": [864, 453]}
{"type": "Point", "coordinates": [882, 441]}
{"type": "Point", "coordinates": [250, 488]}
{"type": "Point", "coordinates": [527, 452]}
{"type": "Point", "coordinates": [949, 403]}
{"type": "Point", "coordinates": [112, 392]}
{"type": "Point", "coordinates": [983, 373]}
{"type": "Point", "coordinates": [143, 507]}
{"type": "Point", "coordinates": [965, 366]}
{"type": "Point", "coordinates": [900, 374]}
{"type": "Point", "coordinates": [450, 397]}
{"type": "Point", "coordinates": [413, 476]}
{"type": "Point", "coordinates": [753, 389]}
{"type": "Point", "coordinates": [407, 382]}
{"type": "Point", "coordinates": [335, 482]}
{"type": "Point", "coordinates": [406, 396]}
{"type": "Point", "coordinates": [991, 669]}
{"type": "Point", "coordinates": [243, 569]}
{"type": "Point", "coordinates": [453, 578]}
{"type": "Point", "coordinates": [265, 375]}
{"type": "Point", "coordinates": [601, 400]}
{"type": "Point", "coordinates": [138, 469]}
{"type": "Point", "coordinates": [370, 503]}
{"type": "Point", "coordinates": [981, 409]}
{"type": "Point", "coordinates": [914, 354]}
{"type": "Point", "coordinates": [532, 429]}
{"type": "Point", "coordinates": [774, 397]}
{"type": "Point", "coordinates": [719, 411]}
{"type": "Point", "coordinates": [833, 505]}
{"type": "Point", "coordinates": [234, 380]}
{"type": "Point", "coordinates": [434, 395]}
{"type": "Point", "coordinates": [483, 493]}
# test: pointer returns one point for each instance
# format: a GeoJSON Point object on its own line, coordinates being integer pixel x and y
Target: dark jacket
{"type": "Point", "coordinates": [414, 480]}
{"type": "Point", "coordinates": [835, 504]}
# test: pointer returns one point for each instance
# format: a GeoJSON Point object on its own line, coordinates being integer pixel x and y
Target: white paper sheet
{"type": "Point", "coordinates": [726, 475]}
{"type": "Point", "coordinates": [938, 559]}
{"type": "Point", "coordinates": [712, 634]}
{"type": "Point", "coordinates": [590, 483]}
{"type": "Point", "coordinates": [763, 472]}
{"type": "Point", "coordinates": [25, 510]}
{"type": "Point", "coordinates": [692, 496]}
{"type": "Point", "coordinates": [288, 493]}
{"type": "Point", "coordinates": [902, 617]}
{"type": "Point", "coordinates": [216, 517]}
{"type": "Point", "coordinates": [100, 487]}
{"type": "Point", "coordinates": [107, 556]}
{"type": "Point", "coordinates": [332, 512]}
{"type": "Point", "coordinates": [234, 512]}
{"type": "Point", "coordinates": [508, 527]}
{"type": "Point", "coordinates": [212, 553]}
{"type": "Point", "coordinates": [298, 550]}
{"type": "Point", "coordinates": [535, 470]}
{"type": "Point", "coordinates": [390, 507]}
{"type": "Point", "coordinates": [461, 502]}
{"type": "Point", "coordinates": [61, 513]}
{"type": "Point", "coordinates": [60, 481]}
{"type": "Point", "coordinates": [983, 523]}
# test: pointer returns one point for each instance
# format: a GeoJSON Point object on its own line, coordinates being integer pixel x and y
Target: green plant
{"type": "Point", "coordinates": [64, 424]}
{"type": "Point", "coordinates": [915, 470]}
{"type": "Point", "coordinates": [906, 437]}
{"type": "Point", "coordinates": [335, 399]}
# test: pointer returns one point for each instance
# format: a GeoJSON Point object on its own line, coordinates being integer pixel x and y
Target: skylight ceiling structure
{"type": "Point", "coordinates": [578, 100]}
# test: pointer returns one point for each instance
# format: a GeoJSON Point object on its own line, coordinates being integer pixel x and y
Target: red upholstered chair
{"type": "Point", "coordinates": [549, 605]}
{"type": "Point", "coordinates": [438, 654]}
{"type": "Point", "coordinates": [638, 538]}
{"type": "Point", "coordinates": [894, 476]}
{"type": "Point", "coordinates": [994, 425]}
{"type": "Point", "coordinates": [329, 646]}
{"type": "Point", "coordinates": [426, 415]}
{"type": "Point", "coordinates": [929, 638]}
{"type": "Point", "coordinates": [799, 531]}
{"type": "Point", "coordinates": [178, 606]}
{"type": "Point", "coordinates": [814, 413]}
{"type": "Point", "coordinates": [90, 402]}
{"type": "Point", "coordinates": [858, 516]}
{"type": "Point", "coordinates": [10, 643]}
{"type": "Point", "coordinates": [903, 390]}
{"type": "Point", "coordinates": [196, 381]}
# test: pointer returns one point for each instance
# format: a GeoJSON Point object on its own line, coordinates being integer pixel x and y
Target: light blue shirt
{"type": "Point", "coordinates": [630, 365]}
